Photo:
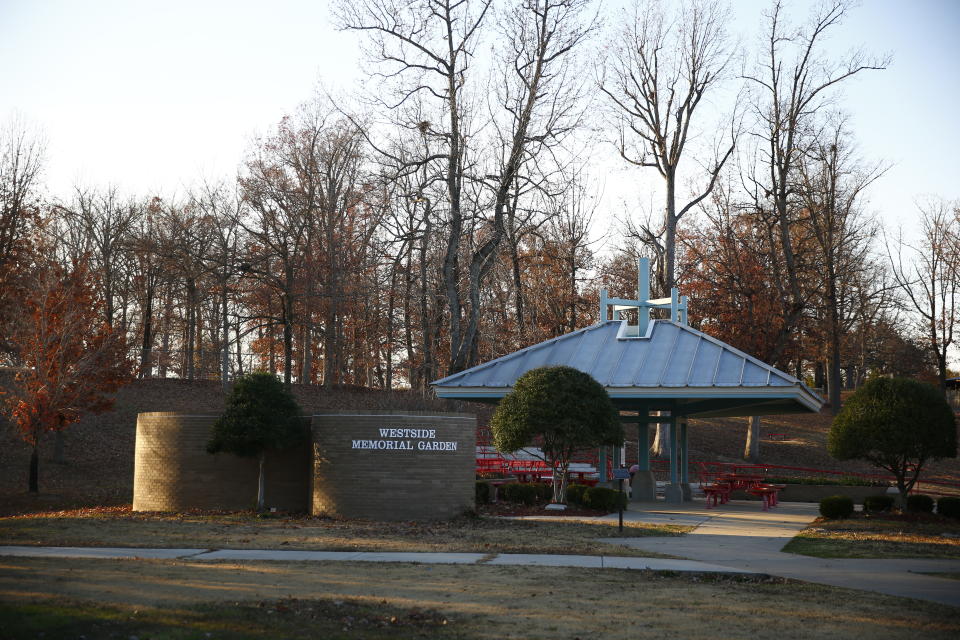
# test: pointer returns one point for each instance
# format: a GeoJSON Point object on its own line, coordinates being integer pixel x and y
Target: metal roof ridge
{"type": "Point", "coordinates": [517, 353]}
{"type": "Point", "coordinates": [735, 351]}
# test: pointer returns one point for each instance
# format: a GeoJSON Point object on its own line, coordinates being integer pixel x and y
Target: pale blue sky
{"type": "Point", "coordinates": [149, 95]}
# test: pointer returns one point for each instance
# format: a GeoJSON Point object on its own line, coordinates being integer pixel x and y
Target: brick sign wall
{"type": "Point", "coordinates": [376, 465]}
{"type": "Point", "coordinates": [393, 465]}
{"type": "Point", "coordinates": [174, 472]}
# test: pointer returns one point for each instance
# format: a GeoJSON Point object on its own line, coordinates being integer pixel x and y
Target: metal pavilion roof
{"type": "Point", "coordinates": [670, 367]}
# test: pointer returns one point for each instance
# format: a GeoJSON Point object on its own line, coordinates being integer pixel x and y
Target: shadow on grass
{"type": "Point", "coordinates": [286, 618]}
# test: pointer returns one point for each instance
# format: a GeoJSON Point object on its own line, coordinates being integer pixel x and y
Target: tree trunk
{"type": "Point", "coordinates": [225, 345]}
{"type": "Point", "coordinates": [58, 446]}
{"type": "Point", "coordinates": [518, 291]}
{"type": "Point", "coordinates": [260, 483]}
{"type": "Point", "coordinates": [146, 366]}
{"type": "Point", "coordinates": [834, 379]}
{"type": "Point", "coordinates": [661, 437]}
{"type": "Point", "coordinates": [34, 470]}
{"type": "Point", "coordinates": [560, 482]}
{"type": "Point", "coordinates": [751, 452]}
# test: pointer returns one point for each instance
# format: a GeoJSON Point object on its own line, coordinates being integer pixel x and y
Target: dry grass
{"type": "Point", "coordinates": [880, 536]}
{"type": "Point", "coordinates": [478, 602]}
{"type": "Point", "coordinates": [121, 527]}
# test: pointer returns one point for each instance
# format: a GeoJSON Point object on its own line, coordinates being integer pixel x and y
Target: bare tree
{"type": "Point", "coordinates": [21, 163]}
{"type": "Point", "coordinates": [99, 223]}
{"type": "Point", "coordinates": [220, 209]}
{"type": "Point", "coordinates": [792, 82]}
{"type": "Point", "coordinates": [661, 66]}
{"type": "Point", "coordinates": [426, 50]}
{"type": "Point", "coordinates": [931, 281]}
{"type": "Point", "coordinates": [832, 185]}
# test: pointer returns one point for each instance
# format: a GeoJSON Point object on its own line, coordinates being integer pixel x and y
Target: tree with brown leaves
{"type": "Point", "coordinates": [70, 360]}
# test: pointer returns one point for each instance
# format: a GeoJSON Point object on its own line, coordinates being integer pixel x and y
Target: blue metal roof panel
{"type": "Point", "coordinates": [669, 356]}
{"type": "Point", "coordinates": [677, 370]}
{"type": "Point", "coordinates": [704, 366]}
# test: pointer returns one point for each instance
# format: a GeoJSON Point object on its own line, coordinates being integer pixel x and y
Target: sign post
{"type": "Point", "coordinates": [621, 475]}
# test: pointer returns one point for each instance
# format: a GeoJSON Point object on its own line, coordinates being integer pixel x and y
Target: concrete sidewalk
{"type": "Point", "coordinates": [741, 536]}
{"type": "Point", "coordinates": [514, 559]}
{"type": "Point", "coordinates": [735, 538]}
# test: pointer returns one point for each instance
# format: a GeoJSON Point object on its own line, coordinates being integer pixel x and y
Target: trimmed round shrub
{"type": "Point", "coordinates": [834, 507]}
{"type": "Point", "coordinates": [878, 504]}
{"type": "Point", "coordinates": [603, 499]}
{"type": "Point", "coordinates": [482, 492]}
{"type": "Point", "coordinates": [575, 493]}
{"type": "Point", "coordinates": [920, 503]}
{"type": "Point", "coordinates": [519, 492]}
{"type": "Point", "coordinates": [949, 506]}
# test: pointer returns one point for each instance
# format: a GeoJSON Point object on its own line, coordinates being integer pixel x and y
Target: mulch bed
{"type": "Point", "coordinates": [512, 509]}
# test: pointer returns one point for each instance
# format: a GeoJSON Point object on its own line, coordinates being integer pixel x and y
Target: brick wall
{"type": "Point", "coordinates": [393, 484]}
{"type": "Point", "coordinates": [174, 472]}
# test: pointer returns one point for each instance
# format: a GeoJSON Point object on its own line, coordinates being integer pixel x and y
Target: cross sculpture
{"type": "Point", "coordinates": [676, 303]}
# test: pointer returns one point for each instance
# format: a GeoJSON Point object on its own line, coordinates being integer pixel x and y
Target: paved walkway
{"type": "Point", "coordinates": [736, 538]}
{"type": "Point", "coordinates": [739, 535]}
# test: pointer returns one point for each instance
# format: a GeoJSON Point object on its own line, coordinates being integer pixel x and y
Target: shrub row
{"type": "Point", "coordinates": [842, 506]}
{"type": "Point", "coordinates": [847, 481]}
{"type": "Point", "coordinates": [526, 492]}
{"type": "Point", "coordinates": [949, 506]}
{"type": "Point", "coordinates": [599, 498]}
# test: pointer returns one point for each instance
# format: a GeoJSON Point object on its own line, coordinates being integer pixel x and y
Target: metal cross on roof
{"type": "Point", "coordinates": [676, 303]}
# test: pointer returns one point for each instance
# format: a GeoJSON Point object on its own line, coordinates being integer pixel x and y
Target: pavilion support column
{"type": "Point", "coordinates": [674, 493]}
{"type": "Point", "coordinates": [644, 486]}
{"type": "Point", "coordinates": [685, 461]}
{"type": "Point", "coordinates": [602, 478]}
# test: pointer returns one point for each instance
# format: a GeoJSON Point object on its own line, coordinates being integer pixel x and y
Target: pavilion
{"type": "Point", "coordinates": [661, 366]}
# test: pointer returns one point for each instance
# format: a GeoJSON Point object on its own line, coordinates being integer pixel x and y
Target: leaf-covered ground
{"type": "Point", "coordinates": [121, 527]}
{"type": "Point", "coordinates": [894, 535]}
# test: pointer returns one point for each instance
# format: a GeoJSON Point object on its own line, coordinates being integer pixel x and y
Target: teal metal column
{"type": "Point", "coordinates": [684, 453]}
{"type": "Point", "coordinates": [673, 450]}
{"type": "Point", "coordinates": [643, 446]}
{"type": "Point", "coordinates": [644, 485]}
{"type": "Point", "coordinates": [673, 493]}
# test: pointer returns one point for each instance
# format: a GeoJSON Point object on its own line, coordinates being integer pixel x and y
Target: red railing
{"type": "Point", "coordinates": [491, 463]}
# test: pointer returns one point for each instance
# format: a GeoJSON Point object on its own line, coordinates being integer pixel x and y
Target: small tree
{"type": "Point", "coordinates": [261, 414]}
{"type": "Point", "coordinates": [897, 424]}
{"type": "Point", "coordinates": [566, 408]}
{"type": "Point", "coordinates": [70, 361]}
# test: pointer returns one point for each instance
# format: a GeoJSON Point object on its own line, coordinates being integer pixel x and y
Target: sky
{"type": "Point", "coordinates": [151, 96]}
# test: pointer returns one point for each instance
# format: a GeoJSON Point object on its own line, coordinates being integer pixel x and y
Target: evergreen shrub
{"type": "Point", "coordinates": [834, 507]}
{"type": "Point", "coordinates": [920, 503]}
{"type": "Point", "coordinates": [483, 492]}
{"type": "Point", "coordinates": [519, 492]}
{"type": "Point", "coordinates": [603, 499]}
{"type": "Point", "coordinates": [544, 491]}
{"type": "Point", "coordinates": [949, 506]}
{"type": "Point", "coordinates": [575, 493]}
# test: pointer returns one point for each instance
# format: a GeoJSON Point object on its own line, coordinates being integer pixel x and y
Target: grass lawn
{"type": "Point", "coordinates": [285, 618]}
{"type": "Point", "coordinates": [69, 598]}
{"type": "Point", "coordinates": [121, 527]}
{"type": "Point", "coordinates": [893, 535]}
